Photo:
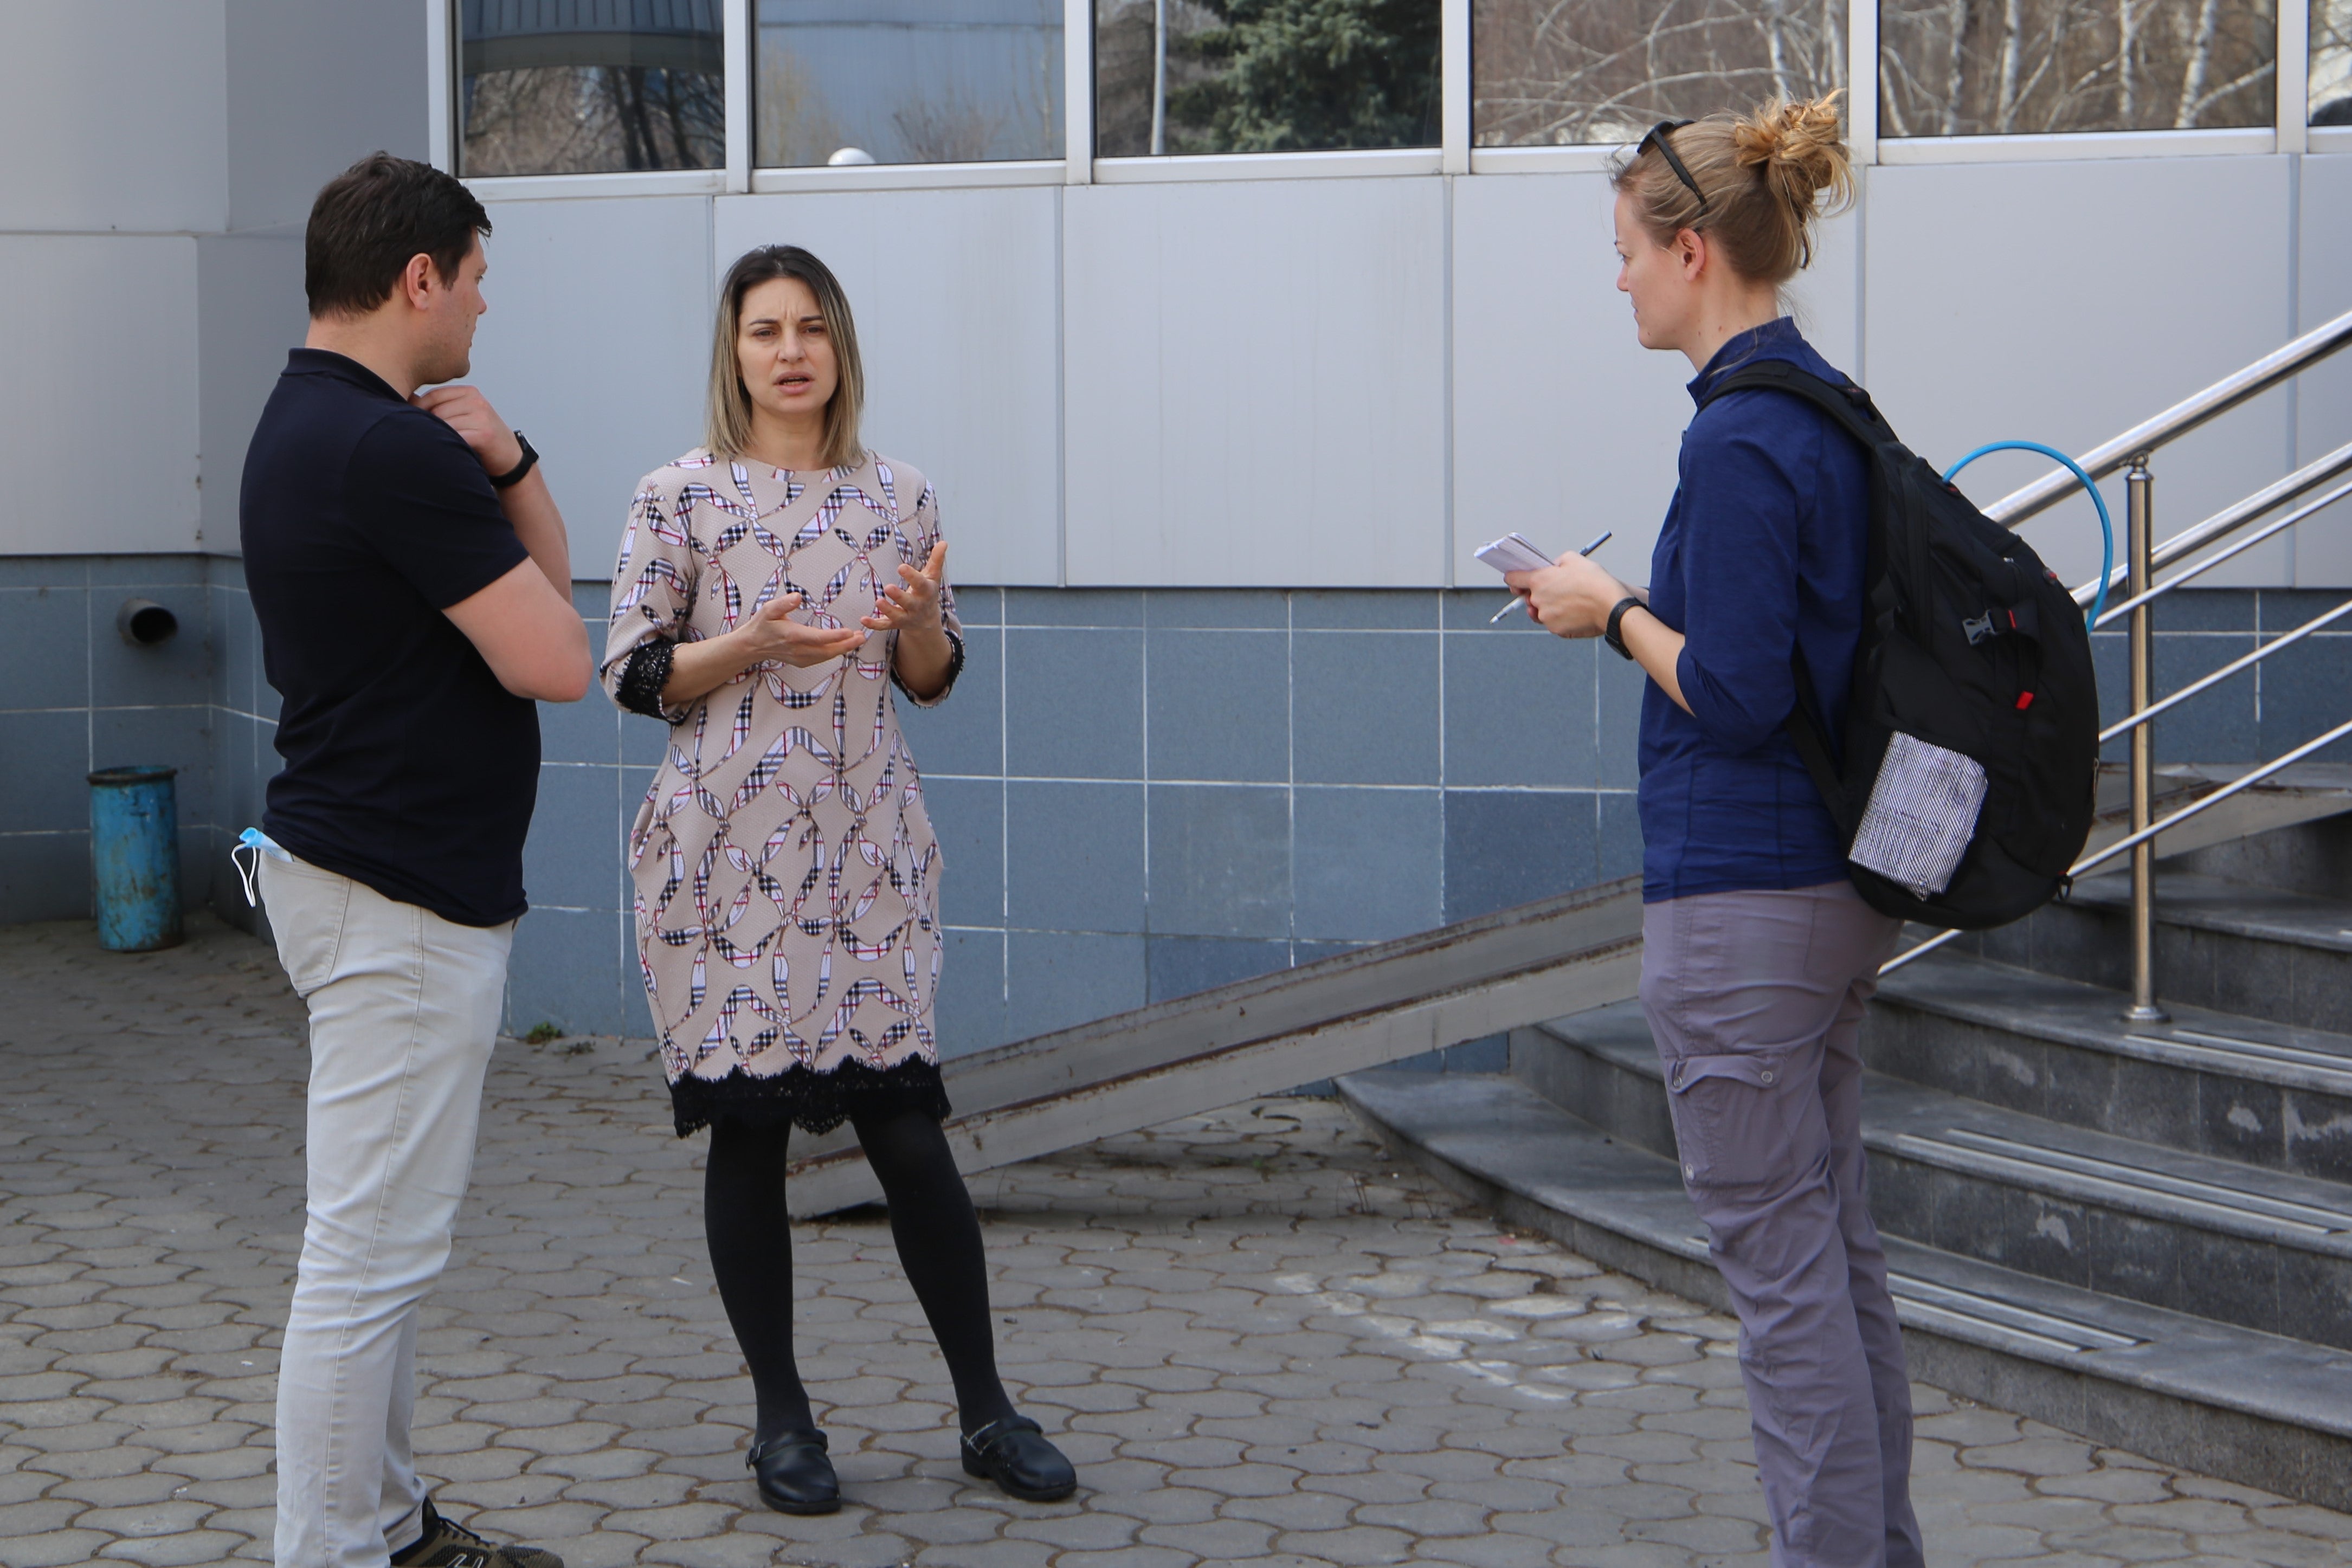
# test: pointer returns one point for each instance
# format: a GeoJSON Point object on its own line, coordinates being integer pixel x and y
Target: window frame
{"type": "Point", "coordinates": [1455, 153]}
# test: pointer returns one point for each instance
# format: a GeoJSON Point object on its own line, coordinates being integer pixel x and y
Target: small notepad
{"type": "Point", "coordinates": [1512, 552]}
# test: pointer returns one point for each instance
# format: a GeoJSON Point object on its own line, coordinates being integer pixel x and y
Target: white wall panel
{"type": "Point", "coordinates": [1563, 423]}
{"type": "Point", "coordinates": [1826, 297]}
{"type": "Point", "coordinates": [97, 410]}
{"type": "Point", "coordinates": [312, 89]}
{"type": "Point", "coordinates": [2323, 548]}
{"type": "Point", "coordinates": [114, 117]}
{"type": "Point", "coordinates": [2065, 302]}
{"type": "Point", "coordinates": [954, 292]}
{"type": "Point", "coordinates": [251, 311]}
{"type": "Point", "coordinates": [1257, 382]}
{"type": "Point", "coordinates": [596, 345]}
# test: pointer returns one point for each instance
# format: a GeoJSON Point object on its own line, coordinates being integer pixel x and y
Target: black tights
{"type": "Point", "coordinates": [931, 1220]}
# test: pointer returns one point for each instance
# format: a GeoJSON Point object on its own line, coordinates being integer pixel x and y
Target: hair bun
{"type": "Point", "coordinates": [1802, 148]}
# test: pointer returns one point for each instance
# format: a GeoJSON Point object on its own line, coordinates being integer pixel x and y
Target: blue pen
{"type": "Point", "coordinates": [1517, 600]}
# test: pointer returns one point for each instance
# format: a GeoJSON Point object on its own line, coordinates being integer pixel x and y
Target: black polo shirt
{"type": "Point", "coordinates": [409, 767]}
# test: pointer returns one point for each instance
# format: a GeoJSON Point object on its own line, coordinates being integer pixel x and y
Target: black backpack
{"type": "Point", "coordinates": [1969, 644]}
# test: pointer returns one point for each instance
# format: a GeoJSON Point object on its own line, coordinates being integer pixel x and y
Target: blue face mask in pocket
{"type": "Point", "coordinates": [259, 843]}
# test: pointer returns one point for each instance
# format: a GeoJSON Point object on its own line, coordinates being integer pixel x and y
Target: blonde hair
{"type": "Point", "coordinates": [726, 420]}
{"type": "Point", "coordinates": [1762, 174]}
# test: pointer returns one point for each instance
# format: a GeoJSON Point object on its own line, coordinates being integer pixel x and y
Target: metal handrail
{"type": "Point", "coordinates": [2230, 518]}
{"type": "Point", "coordinates": [2276, 525]}
{"type": "Point", "coordinates": [2142, 558]}
{"type": "Point", "coordinates": [2133, 841]}
{"type": "Point", "coordinates": [2244, 662]}
{"type": "Point", "coordinates": [2179, 420]}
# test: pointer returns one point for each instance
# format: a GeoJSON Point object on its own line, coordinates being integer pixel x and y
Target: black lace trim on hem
{"type": "Point", "coordinates": [813, 1102]}
{"type": "Point", "coordinates": [644, 676]}
{"type": "Point", "coordinates": [955, 668]}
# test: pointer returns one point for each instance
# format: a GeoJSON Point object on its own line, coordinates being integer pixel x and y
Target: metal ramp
{"type": "Point", "coordinates": [1380, 1004]}
{"type": "Point", "coordinates": [1366, 1009]}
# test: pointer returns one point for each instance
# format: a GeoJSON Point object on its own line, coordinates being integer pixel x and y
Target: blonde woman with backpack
{"type": "Point", "coordinates": [1758, 954]}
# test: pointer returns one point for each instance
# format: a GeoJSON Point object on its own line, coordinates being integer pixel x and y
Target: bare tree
{"type": "Point", "coordinates": [1564, 72]}
{"type": "Point", "coordinates": [2040, 66]}
{"type": "Point", "coordinates": [576, 120]}
{"type": "Point", "coordinates": [946, 131]}
{"type": "Point", "coordinates": [2331, 62]}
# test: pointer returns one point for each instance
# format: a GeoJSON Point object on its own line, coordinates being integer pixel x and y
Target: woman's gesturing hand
{"type": "Point", "coordinates": [913, 604]}
{"type": "Point", "coordinates": [771, 636]}
{"type": "Point", "coordinates": [1569, 598]}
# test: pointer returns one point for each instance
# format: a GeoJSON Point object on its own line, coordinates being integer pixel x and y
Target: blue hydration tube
{"type": "Point", "coordinates": [2107, 524]}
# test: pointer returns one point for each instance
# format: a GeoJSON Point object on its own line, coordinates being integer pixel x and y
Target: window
{"type": "Point", "coordinates": [2331, 62]}
{"type": "Point", "coordinates": [578, 86]}
{"type": "Point", "coordinates": [908, 81]}
{"type": "Point", "coordinates": [1263, 76]}
{"type": "Point", "coordinates": [1967, 67]}
{"type": "Point", "coordinates": [1564, 73]}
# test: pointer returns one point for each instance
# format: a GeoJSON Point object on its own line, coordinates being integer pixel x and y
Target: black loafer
{"type": "Point", "coordinates": [1014, 1454]}
{"type": "Point", "coordinates": [794, 1475]}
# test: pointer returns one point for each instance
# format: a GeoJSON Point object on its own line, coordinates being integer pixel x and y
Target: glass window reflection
{"type": "Point", "coordinates": [908, 81]}
{"type": "Point", "coordinates": [1566, 73]}
{"type": "Point", "coordinates": [2331, 62]}
{"type": "Point", "coordinates": [581, 86]}
{"type": "Point", "coordinates": [1962, 67]}
{"type": "Point", "coordinates": [1263, 76]}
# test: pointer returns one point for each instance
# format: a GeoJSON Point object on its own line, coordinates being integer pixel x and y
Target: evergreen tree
{"type": "Point", "coordinates": [1306, 75]}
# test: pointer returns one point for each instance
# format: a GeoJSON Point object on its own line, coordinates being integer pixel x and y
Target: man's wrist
{"type": "Point", "coordinates": [514, 473]}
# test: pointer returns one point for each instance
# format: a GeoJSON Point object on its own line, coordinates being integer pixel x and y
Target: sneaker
{"type": "Point", "coordinates": [447, 1545]}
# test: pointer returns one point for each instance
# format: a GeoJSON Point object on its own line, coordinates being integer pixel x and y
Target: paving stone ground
{"type": "Point", "coordinates": [1261, 1341]}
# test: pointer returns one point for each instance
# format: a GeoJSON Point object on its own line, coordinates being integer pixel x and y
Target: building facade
{"type": "Point", "coordinates": [1222, 363]}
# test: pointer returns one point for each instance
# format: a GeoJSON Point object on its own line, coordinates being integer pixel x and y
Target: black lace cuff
{"type": "Point", "coordinates": [644, 676]}
{"type": "Point", "coordinates": [955, 668]}
{"type": "Point", "coordinates": [813, 1102]}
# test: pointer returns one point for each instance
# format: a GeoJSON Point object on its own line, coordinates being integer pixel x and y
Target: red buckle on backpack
{"type": "Point", "coordinates": [2025, 701]}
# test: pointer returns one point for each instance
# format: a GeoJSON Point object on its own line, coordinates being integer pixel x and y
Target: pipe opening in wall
{"type": "Point", "coordinates": [143, 622]}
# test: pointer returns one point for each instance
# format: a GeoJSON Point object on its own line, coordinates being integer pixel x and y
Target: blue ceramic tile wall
{"type": "Point", "coordinates": [79, 696]}
{"type": "Point", "coordinates": [2260, 713]}
{"type": "Point", "coordinates": [1140, 795]}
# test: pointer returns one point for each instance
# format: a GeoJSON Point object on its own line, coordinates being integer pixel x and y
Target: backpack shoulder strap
{"type": "Point", "coordinates": [1805, 731]}
{"type": "Point", "coordinates": [1848, 406]}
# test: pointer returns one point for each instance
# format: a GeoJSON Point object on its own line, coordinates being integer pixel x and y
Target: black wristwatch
{"type": "Point", "coordinates": [1614, 637]}
{"type": "Point", "coordinates": [514, 475]}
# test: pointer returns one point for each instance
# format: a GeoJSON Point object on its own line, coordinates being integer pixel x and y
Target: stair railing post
{"type": "Point", "coordinates": [2139, 545]}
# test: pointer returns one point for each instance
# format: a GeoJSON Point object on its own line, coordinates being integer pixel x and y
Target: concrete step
{"type": "Point", "coordinates": [2258, 1409]}
{"type": "Point", "coordinates": [2261, 952]}
{"type": "Point", "coordinates": [2184, 1231]}
{"type": "Point", "coordinates": [2304, 793]}
{"type": "Point", "coordinates": [2241, 1089]}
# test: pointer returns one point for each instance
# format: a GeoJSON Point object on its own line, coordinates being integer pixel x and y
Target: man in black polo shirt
{"type": "Point", "coordinates": [412, 581]}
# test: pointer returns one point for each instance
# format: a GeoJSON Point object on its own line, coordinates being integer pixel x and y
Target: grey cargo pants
{"type": "Point", "coordinates": [1756, 1001]}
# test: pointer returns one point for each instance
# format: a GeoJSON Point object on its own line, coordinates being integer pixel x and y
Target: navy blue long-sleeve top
{"type": "Point", "coordinates": [1763, 550]}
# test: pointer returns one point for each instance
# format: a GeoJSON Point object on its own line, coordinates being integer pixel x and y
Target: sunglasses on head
{"type": "Point", "coordinates": [1657, 138]}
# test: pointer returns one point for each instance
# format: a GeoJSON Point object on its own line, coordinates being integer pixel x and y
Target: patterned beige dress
{"type": "Point", "coordinates": [786, 874]}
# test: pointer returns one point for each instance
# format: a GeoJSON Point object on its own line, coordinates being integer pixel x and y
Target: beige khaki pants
{"type": "Point", "coordinates": [404, 1010]}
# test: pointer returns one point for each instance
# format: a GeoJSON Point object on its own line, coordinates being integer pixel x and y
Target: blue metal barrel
{"type": "Point", "coordinates": [134, 851]}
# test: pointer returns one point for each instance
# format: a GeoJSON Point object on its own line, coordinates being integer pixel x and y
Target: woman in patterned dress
{"type": "Point", "coordinates": [773, 586]}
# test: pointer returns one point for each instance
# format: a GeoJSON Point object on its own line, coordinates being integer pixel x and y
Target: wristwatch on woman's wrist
{"type": "Point", "coordinates": [1616, 638]}
{"type": "Point", "coordinates": [514, 475]}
